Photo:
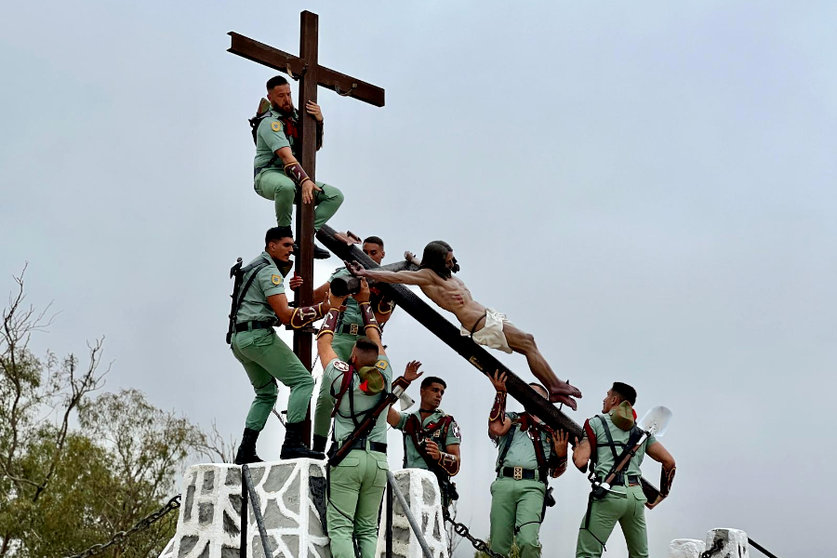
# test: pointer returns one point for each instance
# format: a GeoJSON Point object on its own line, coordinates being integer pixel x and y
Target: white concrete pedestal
{"type": "Point", "coordinates": [425, 502]}
{"type": "Point", "coordinates": [209, 524]}
{"type": "Point", "coordinates": [734, 542]}
{"type": "Point", "coordinates": [686, 548]}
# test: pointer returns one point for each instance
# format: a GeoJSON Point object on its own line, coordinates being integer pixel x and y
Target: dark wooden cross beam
{"type": "Point", "coordinates": [310, 74]}
{"type": "Point", "coordinates": [449, 333]}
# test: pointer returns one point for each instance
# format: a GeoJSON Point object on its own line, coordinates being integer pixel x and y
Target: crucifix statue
{"type": "Point", "coordinates": [310, 73]}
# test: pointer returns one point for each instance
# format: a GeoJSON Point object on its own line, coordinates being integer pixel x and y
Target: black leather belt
{"type": "Point", "coordinates": [350, 329]}
{"type": "Point", "coordinates": [373, 446]}
{"type": "Point", "coordinates": [633, 480]}
{"type": "Point", "coordinates": [518, 473]}
{"type": "Point", "coordinates": [249, 326]}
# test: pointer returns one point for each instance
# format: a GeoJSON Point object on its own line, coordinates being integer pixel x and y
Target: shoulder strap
{"type": "Point", "coordinates": [609, 436]}
{"type": "Point", "coordinates": [344, 387]}
{"type": "Point", "coordinates": [540, 455]}
{"type": "Point", "coordinates": [506, 445]}
{"type": "Point", "coordinates": [255, 268]}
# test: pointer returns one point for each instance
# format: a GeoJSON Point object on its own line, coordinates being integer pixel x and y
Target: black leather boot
{"type": "Point", "coordinates": [293, 448]}
{"type": "Point", "coordinates": [319, 253]}
{"type": "Point", "coordinates": [247, 450]}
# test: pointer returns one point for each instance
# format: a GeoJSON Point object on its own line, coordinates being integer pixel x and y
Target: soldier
{"type": "Point", "coordinates": [529, 453]}
{"type": "Point", "coordinates": [431, 437]}
{"type": "Point", "coordinates": [350, 391]}
{"type": "Point", "coordinates": [276, 169]}
{"type": "Point", "coordinates": [259, 305]}
{"type": "Point", "coordinates": [350, 327]}
{"type": "Point", "coordinates": [483, 325]}
{"type": "Point", "coordinates": [605, 436]}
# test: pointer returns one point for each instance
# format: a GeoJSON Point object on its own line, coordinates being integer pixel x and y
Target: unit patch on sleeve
{"type": "Point", "coordinates": [276, 126]}
{"type": "Point", "coordinates": [276, 279]}
{"type": "Point", "coordinates": [381, 365]}
{"type": "Point", "coordinates": [341, 366]}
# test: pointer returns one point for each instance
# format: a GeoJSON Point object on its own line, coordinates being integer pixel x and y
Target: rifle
{"type": "Point", "coordinates": [601, 488]}
{"type": "Point", "coordinates": [399, 385]}
{"type": "Point", "coordinates": [235, 271]}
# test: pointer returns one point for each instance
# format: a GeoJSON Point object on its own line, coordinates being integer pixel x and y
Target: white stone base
{"type": "Point", "coordinates": [421, 491]}
{"type": "Point", "coordinates": [686, 548]}
{"type": "Point", "coordinates": [209, 525]}
{"type": "Point", "coordinates": [735, 543]}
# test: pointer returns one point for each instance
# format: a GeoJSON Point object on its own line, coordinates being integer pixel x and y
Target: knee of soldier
{"type": "Point", "coordinates": [305, 381]}
{"type": "Point", "coordinates": [268, 392]}
{"type": "Point", "coordinates": [284, 195]}
{"type": "Point", "coordinates": [528, 538]}
{"type": "Point", "coordinates": [333, 194]}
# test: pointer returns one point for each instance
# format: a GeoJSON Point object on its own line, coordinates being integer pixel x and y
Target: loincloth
{"type": "Point", "coordinates": [491, 334]}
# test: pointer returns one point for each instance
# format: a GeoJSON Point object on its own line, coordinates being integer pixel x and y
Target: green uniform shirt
{"type": "Point", "coordinates": [268, 282]}
{"type": "Point", "coordinates": [270, 136]}
{"type": "Point", "coordinates": [522, 449]}
{"type": "Point", "coordinates": [343, 423]}
{"type": "Point", "coordinates": [412, 458]}
{"type": "Point", "coordinates": [604, 457]}
{"type": "Point", "coordinates": [352, 313]}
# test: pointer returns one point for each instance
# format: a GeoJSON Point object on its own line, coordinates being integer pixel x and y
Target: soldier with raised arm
{"type": "Point", "coordinates": [484, 325]}
{"type": "Point", "coordinates": [529, 453]}
{"type": "Point", "coordinates": [351, 392]}
{"type": "Point", "coordinates": [431, 437]}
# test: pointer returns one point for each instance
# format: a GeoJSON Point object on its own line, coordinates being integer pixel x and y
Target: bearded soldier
{"type": "Point", "coordinates": [277, 174]}
{"type": "Point", "coordinates": [484, 325]}
{"type": "Point", "coordinates": [605, 437]}
{"type": "Point", "coordinates": [529, 453]}
{"type": "Point", "coordinates": [431, 437]}
{"type": "Point", "coordinates": [259, 304]}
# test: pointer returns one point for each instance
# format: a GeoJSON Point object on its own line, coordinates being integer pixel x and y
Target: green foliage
{"type": "Point", "coordinates": [64, 489]}
{"type": "Point", "coordinates": [514, 552]}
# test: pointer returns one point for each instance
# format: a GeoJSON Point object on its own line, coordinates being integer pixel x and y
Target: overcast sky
{"type": "Point", "coordinates": [648, 187]}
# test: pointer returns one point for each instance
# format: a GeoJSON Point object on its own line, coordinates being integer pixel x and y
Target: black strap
{"type": "Point", "coordinates": [635, 435]}
{"type": "Point", "coordinates": [255, 268]}
{"type": "Point", "coordinates": [609, 437]}
{"type": "Point", "coordinates": [540, 454]}
{"type": "Point", "coordinates": [506, 445]}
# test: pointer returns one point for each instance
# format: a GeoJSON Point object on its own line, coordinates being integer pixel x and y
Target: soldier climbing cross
{"type": "Point", "coordinates": [310, 74]}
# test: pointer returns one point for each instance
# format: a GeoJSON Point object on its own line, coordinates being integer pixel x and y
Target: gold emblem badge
{"type": "Point", "coordinates": [276, 279]}
{"type": "Point", "coordinates": [276, 126]}
{"type": "Point", "coordinates": [381, 365]}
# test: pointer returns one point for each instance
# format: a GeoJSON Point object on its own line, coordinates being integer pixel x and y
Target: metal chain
{"type": "Point", "coordinates": [144, 523]}
{"type": "Point", "coordinates": [462, 530]}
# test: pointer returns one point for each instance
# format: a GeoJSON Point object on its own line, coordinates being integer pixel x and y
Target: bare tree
{"type": "Point", "coordinates": [37, 399]}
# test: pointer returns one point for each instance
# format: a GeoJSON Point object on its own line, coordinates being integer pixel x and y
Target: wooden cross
{"type": "Point", "coordinates": [310, 74]}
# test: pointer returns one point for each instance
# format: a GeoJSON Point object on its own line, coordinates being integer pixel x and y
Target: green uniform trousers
{"type": "Point", "coordinates": [356, 487]}
{"type": "Point", "coordinates": [516, 507]}
{"type": "Point", "coordinates": [342, 344]}
{"type": "Point", "coordinates": [628, 510]}
{"type": "Point", "coordinates": [273, 184]}
{"type": "Point", "coordinates": [265, 357]}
